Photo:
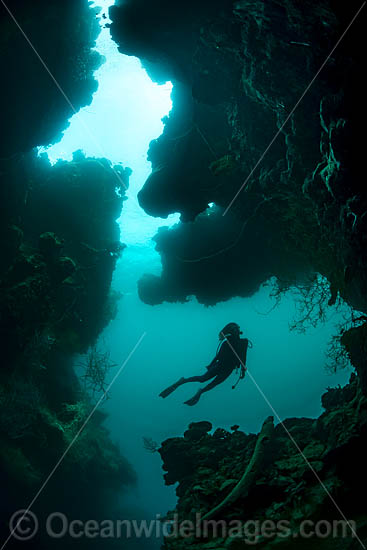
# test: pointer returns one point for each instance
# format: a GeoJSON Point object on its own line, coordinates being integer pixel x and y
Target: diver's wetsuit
{"type": "Point", "coordinates": [227, 359]}
{"type": "Point", "coordinates": [232, 353]}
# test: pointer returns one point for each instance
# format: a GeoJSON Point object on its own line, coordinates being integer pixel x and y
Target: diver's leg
{"type": "Point", "coordinates": [171, 389]}
{"type": "Point", "coordinates": [202, 378]}
{"type": "Point", "coordinates": [217, 380]}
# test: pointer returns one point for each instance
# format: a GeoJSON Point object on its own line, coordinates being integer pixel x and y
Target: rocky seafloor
{"type": "Point", "coordinates": [310, 470]}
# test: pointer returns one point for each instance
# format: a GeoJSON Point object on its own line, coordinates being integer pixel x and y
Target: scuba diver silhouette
{"type": "Point", "coordinates": [231, 354]}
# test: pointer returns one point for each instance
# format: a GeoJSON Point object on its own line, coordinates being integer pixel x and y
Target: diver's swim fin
{"type": "Point", "coordinates": [194, 399]}
{"type": "Point", "coordinates": [171, 389]}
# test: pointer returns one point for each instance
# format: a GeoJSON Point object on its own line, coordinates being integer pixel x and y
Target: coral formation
{"type": "Point", "coordinates": [240, 68]}
{"type": "Point", "coordinates": [48, 59]}
{"type": "Point", "coordinates": [220, 473]}
{"type": "Point", "coordinates": [55, 298]}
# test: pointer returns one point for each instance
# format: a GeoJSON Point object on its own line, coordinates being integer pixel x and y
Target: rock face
{"type": "Point", "coordinates": [47, 71]}
{"type": "Point", "coordinates": [60, 243]}
{"type": "Point", "coordinates": [288, 486]}
{"type": "Point", "coordinates": [240, 68]}
{"type": "Point", "coordinates": [61, 246]}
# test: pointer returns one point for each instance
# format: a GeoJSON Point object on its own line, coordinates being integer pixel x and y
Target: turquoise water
{"type": "Point", "coordinates": [181, 339]}
{"type": "Point", "coordinates": [124, 117]}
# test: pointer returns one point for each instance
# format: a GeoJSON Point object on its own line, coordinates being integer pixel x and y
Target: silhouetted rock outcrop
{"type": "Point", "coordinates": [47, 65]}
{"type": "Point", "coordinates": [303, 461]}
{"type": "Point", "coordinates": [240, 68]}
{"type": "Point", "coordinates": [55, 298]}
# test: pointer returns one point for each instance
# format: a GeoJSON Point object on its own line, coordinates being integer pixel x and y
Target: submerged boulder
{"type": "Point", "coordinates": [197, 430]}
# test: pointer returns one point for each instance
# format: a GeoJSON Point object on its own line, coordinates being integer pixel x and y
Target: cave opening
{"type": "Point", "coordinates": [125, 115]}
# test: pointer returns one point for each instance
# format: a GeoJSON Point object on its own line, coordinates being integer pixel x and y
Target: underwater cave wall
{"type": "Point", "coordinates": [47, 69]}
{"type": "Point", "coordinates": [60, 244]}
{"type": "Point", "coordinates": [239, 69]}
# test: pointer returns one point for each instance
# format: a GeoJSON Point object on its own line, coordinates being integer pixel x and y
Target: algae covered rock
{"type": "Point", "coordinates": [54, 300]}
{"type": "Point", "coordinates": [64, 267]}
{"type": "Point", "coordinates": [197, 430]}
{"type": "Point", "coordinates": [50, 245]}
{"type": "Point", "coordinates": [63, 34]}
{"type": "Point", "coordinates": [287, 180]}
{"type": "Point", "coordinates": [287, 487]}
